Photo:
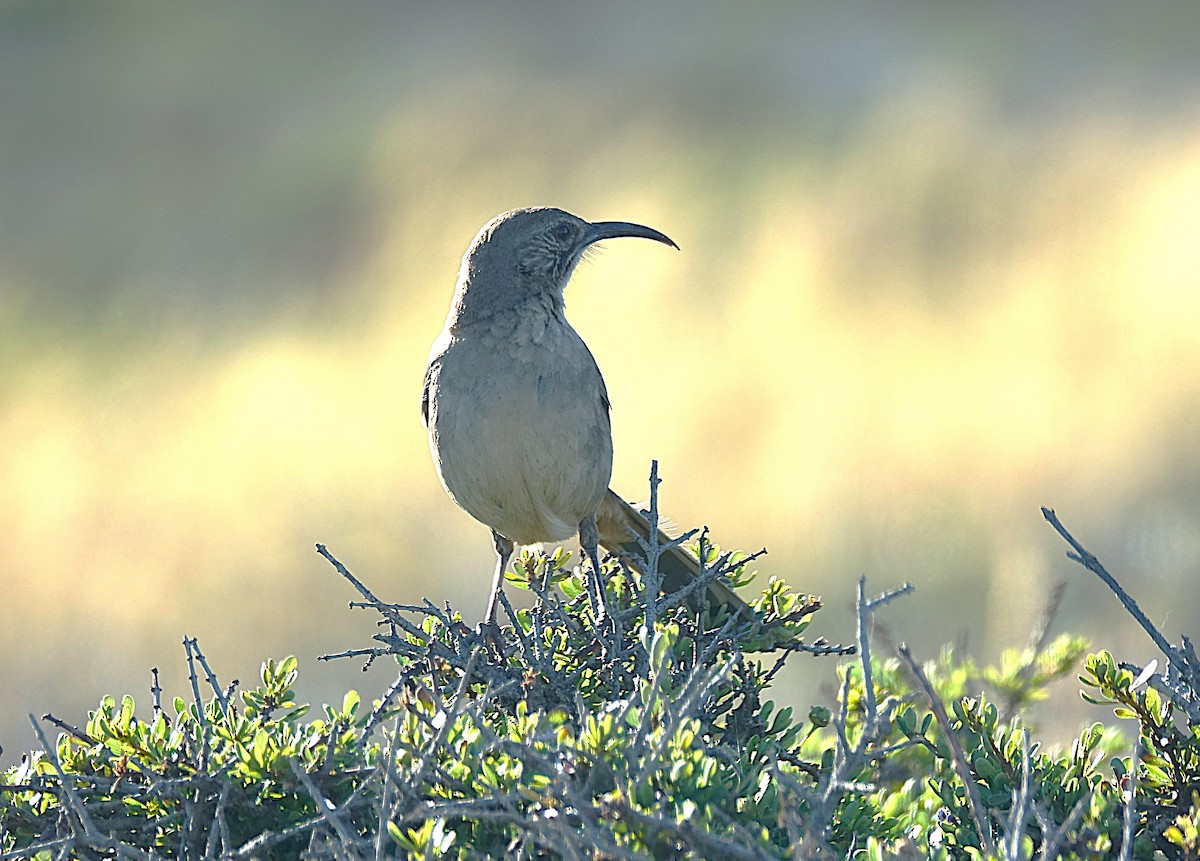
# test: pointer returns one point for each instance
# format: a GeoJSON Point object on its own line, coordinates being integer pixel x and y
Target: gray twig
{"type": "Point", "coordinates": [1091, 563]}
{"type": "Point", "coordinates": [1130, 819]}
{"type": "Point", "coordinates": [155, 692]}
{"type": "Point", "coordinates": [1184, 683]}
{"type": "Point", "coordinates": [1022, 802]}
{"type": "Point", "coordinates": [651, 576]}
{"type": "Point", "coordinates": [201, 714]}
{"type": "Point", "coordinates": [1053, 837]}
{"type": "Point", "coordinates": [958, 757]}
{"type": "Point", "coordinates": [222, 696]}
{"type": "Point", "coordinates": [92, 837]}
{"type": "Point", "coordinates": [324, 806]}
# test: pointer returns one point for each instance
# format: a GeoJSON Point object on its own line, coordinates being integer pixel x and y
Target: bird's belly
{"type": "Point", "coordinates": [531, 459]}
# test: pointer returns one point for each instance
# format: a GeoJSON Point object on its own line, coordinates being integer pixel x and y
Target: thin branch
{"type": "Point", "coordinates": [651, 576]}
{"type": "Point", "coordinates": [325, 807]}
{"type": "Point", "coordinates": [200, 710]}
{"type": "Point", "coordinates": [889, 596]}
{"type": "Point", "coordinates": [1054, 837]}
{"type": "Point", "coordinates": [1130, 820]}
{"type": "Point", "coordinates": [155, 692]}
{"type": "Point", "coordinates": [92, 836]}
{"type": "Point", "coordinates": [864, 650]}
{"type": "Point", "coordinates": [222, 696]}
{"type": "Point", "coordinates": [63, 844]}
{"type": "Point", "coordinates": [1091, 563]}
{"type": "Point", "coordinates": [345, 572]}
{"type": "Point", "coordinates": [385, 803]}
{"type": "Point", "coordinates": [1022, 801]}
{"type": "Point", "coordinates": [380, 710]}
{"type": "Point", "coordinates": [254, 847]}
{"type": "Point", "coordinates": [69, 729]}
{"type": "Point", "coordinates": [214, 829]}
{"type": "Point", "coordinates": [958, 757]}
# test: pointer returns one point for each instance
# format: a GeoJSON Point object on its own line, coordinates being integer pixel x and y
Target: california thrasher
{"type": "Point", "coordinates": [517, 410]}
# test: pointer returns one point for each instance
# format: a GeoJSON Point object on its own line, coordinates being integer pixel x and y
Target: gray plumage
{"type": "Point", "coordinates": [515, 404]}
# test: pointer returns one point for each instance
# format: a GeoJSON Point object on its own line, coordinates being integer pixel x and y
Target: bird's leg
{"type": "Point", "coordinates": [589, 540]}
{"type": "Point", "coordinates": [504, 552]}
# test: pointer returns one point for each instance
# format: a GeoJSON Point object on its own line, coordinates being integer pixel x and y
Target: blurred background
{"type": "Point", "coordinates": [940, 267]}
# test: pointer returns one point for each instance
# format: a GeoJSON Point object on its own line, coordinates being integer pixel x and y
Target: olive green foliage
{"type": "Point", "coordinates": [556, 738]}
{"type": "Point", "coordinates": [1168, 774]}
{"type": "Point", "coordinates": [194, 774]}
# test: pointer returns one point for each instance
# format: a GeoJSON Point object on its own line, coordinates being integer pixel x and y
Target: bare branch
{"type": "Point", "coordinates": [958, 757]}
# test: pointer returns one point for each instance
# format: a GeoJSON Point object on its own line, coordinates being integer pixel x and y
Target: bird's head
{"type": "Point", "coordinates": [531, 252]}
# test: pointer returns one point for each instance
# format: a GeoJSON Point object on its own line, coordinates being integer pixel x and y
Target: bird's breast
{"type": "Point", "coordinates": [519, 428]}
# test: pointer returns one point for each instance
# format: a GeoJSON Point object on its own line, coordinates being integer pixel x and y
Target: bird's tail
{"type": "Point", "coordinates": [618, 522]}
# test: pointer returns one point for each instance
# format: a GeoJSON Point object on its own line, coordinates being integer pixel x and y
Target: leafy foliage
{"type": "Point", "coordinates": [555, 738]}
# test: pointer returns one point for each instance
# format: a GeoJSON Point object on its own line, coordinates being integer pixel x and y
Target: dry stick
{"type": "Point", "coordinates": [222, 696]}
{"type": "Point", "coordinates": [63, 844]}
{"type": "Point", "coordinates": [839, 725]}
{"type": "Point", "coordinates": [25, 787]}
{"type": "Point", "coordinates": [378, 712]}
{"type": "Point", "coordinates": [847, 756]}
{"type": "Point", "coordinates": [1091, 563]}
{"type": "Point", "coordinates": [69, 729]}
{"type": "Point", "coordinates": [1021, 803]}
{"type": "Point", "coordinates": [1041, 631]}
{"type": "Point", "coordinates": [708, 573]}
{"type": "Point", "coordinates": [387, 611]}
{"type": "Point", "coordinates": [864, 646]}
{"type": "Point", "coordinates": [87, 739]}
{"type": "Point", "coordinates": [222, 823]}
{"type": "Point", "coordinates": [452, 714]}
{"type": "Point", "coordinates": [1131, 804]}
{"type": "Point", "coordinates": [682, 707]}
{"type": "Point", "coordinates": [819, 647]}
{"type": "Point", "coordinates": [229, 691]}
{"type": "Point", "coordinates": [1050, 847]}
{"type": "Point", "coordinates": [391, 614]}
{"type": "Point", "coordinates": [94, 838]}
{"type": "Point", "coordinates": [369, 654]}
{"type": "Point", "coordinates": [516, 623]}
{"type": "Point", "coordinates": [155, 692]}
{"type": "Point", "coordinates": [864, 609]}
{"type": "Point", "coordinates": [254, 847]}
{"type": "Point", "coordinates": [345, 572]}
{"type": "Point", "coordinates": [723, 634]}
{"type": "Point", "coordinates": [202, 717]}
{"type": "Point", "coordinates": [958, 757]}
{"type": "Point", "coordinates": [651, 577]}
{"type": "Point", "coordinates": [326, 807]}
{"type": "Point", "coordinates": [385, 803]}
{"type": "Point", "coordinates": [1182, 691]}
{"type": "Point", "coordinates": [215, 829]}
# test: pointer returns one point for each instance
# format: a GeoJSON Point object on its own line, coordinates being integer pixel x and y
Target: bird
{"type": "Point", "coordinates": [516, 407]}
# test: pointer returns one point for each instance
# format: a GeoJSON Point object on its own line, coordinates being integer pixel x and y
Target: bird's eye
{"type": "Point", "coordinates": [561, 232]}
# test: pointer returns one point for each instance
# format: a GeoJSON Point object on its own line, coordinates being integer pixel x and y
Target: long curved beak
{"type": "Point", "coordinates": [615, 229]}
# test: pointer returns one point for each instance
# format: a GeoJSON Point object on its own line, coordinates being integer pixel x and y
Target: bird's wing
{"type": "Point", "coordinates": [599, 376]}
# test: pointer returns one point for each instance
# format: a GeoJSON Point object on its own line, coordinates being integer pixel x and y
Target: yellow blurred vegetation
{"type": "Point", "coordinates": [876, 360]}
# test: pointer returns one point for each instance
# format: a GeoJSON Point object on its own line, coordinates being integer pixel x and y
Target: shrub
{"type": "Point", "coordinates": [557, 739]}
